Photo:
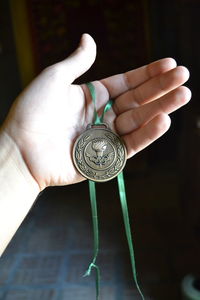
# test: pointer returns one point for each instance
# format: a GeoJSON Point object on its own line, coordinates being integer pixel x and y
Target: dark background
{"type": "Point", "coordinates": [163, 180]}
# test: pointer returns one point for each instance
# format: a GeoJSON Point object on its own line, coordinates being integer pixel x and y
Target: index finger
{"type": "Point", "coordinates": [120, 83]}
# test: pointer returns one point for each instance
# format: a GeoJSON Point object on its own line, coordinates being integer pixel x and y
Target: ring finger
{"type": "Point", "coordinates": [137, 117]}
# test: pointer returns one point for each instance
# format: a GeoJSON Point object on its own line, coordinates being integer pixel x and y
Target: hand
{"type": "Point", "coordinates": [51, 112]}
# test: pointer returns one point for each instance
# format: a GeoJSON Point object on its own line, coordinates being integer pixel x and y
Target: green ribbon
{"type": "Point", "coordinates": [93, 203]}
{"type": "Point", "coordinates": [122, 193]}
{"type": "Point", "coordinates": [98, 120]}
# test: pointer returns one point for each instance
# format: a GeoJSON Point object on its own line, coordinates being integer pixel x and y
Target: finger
{"type": "Point", "coordinates": [135, 118]}
{"type": "Point", "coordinates": [144, 136]}
{"type": "Point", "coordinates": [79, 61]}
{"type": "Point", "coordinates": [121, 83]}
{"type": "Point", "coordinates": [152, 89]}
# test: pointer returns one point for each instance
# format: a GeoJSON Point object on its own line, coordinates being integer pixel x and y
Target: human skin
{"type": "Point", "coordinates": [37, 136]}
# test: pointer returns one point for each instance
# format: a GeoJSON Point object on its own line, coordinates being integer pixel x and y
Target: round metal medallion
{"type": "Point", "coordinates": [99, 154]}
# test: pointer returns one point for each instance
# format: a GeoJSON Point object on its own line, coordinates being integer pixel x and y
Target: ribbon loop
{"type": "Point", "coordinates": [109, 104]}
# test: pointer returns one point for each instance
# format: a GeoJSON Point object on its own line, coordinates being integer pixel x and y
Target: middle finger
{"type": "Point", "coordinates": [135, 118]}
{"type": "Point", "coordinates": [151, 89]}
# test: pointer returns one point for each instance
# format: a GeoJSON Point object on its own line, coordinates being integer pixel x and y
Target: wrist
{"type": "Point", "coordinates": [18, 189]}
{"type": "Point", "coordinates": [13, 167]}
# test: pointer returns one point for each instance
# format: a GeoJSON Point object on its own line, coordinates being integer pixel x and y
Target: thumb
{"type": "Point", "coordinates": [80, 60]}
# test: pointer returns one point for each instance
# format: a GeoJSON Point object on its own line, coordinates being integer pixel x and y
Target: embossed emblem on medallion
{"type": "Point", "coordinates": [99, 154]}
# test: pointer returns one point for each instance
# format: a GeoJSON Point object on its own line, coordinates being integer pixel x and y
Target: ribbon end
{"type": "Point", "coordinates": [87, 273]}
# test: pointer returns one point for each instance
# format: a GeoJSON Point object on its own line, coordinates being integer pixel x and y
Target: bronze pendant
{"type": "Point", "coordinates": [99, 154]}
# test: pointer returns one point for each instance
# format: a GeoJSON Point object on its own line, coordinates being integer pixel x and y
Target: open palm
{"type": "Point", "coordinates": [51, 112]}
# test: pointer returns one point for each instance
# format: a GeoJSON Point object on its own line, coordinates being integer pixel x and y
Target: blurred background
{"type": "Point", "coordinates": [52, 248]}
